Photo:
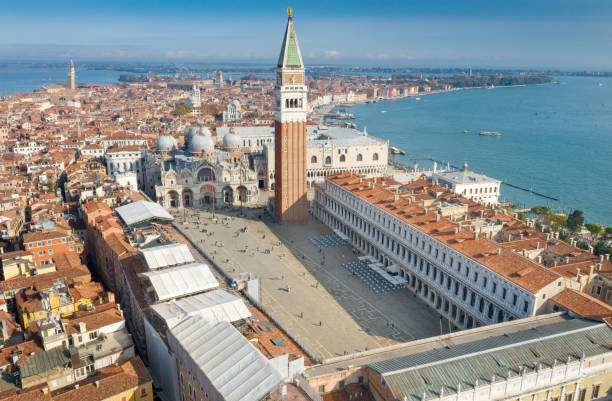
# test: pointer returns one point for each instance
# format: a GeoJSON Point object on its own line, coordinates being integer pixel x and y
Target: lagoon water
{"type": "Point", "coordinates": [556, 139]}
{"type": "Point", "coordinates": [19, 78]}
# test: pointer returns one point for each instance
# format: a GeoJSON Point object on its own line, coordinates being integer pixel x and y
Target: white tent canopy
{"type": "Point", "coordinates": [136, 212]}
{"type": "Point", "coordinates": [213, 306]}
{"type": "Point", "coordinates": [225, 363]}
{"type": "Point", "coordinates": [167, 255]}
{"type": "Point", "coordinates": [182, 280]}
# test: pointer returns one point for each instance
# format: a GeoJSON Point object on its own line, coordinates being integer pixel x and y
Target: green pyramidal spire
{"type": "Point", "coordinates": [290, 55]}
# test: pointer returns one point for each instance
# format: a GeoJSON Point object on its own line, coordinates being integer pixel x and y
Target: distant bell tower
{"type": "Point", "coordinates": [290, 131]}
{"type": "Point", "coordinates": [71, 83]}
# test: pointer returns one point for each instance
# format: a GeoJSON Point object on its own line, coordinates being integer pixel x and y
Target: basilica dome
{"type": "Point", "coordinates": [231, 141]}
{"type": "Point", "coordinates": [166, 143]}
{"type": "Point", "coordinates": [201, 143]}
{"type": "Point", "coordinates": [190, 133]}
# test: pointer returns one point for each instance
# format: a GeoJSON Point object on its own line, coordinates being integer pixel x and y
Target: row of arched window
{"type": "Point", "coordinates": [328, 159]}
{"type": "Point", "coordinates": [293, 103]}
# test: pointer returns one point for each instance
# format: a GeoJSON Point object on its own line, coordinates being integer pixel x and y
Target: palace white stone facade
{"type": "Point", "coordinates": [125, 165]}
{"type": "Point", "coordinates": [469, 184]}
{"type": "Point", "coordinates": [232, 112]}
{"type": "Point", "coordinates": [329, 150]}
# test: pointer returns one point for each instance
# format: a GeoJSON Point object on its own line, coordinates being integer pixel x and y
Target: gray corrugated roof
{"type": "Point", "coordinates": [230, 363]}
{"type": "Point", "coordinates": [493, 359]}
{"type": "Point", "coordinates": [441, 354]}
{"type": "Point", "coordinates": [44, 362]}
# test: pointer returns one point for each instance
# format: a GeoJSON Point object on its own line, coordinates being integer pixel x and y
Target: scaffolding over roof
{"type": "Point", "coordinates": [182, 280]}
{"type": "Point", "coordinates": [137, 212]}
{"type": "Point", "coordinates": [223, 360]}
{"type": "Point", "coordinates": [167, 255]}
{"type": "Point", "coordinates": [213, 306]}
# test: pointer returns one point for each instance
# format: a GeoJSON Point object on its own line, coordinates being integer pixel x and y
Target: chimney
{"type": "Point", "coordinates": [437, 217]}
{"type": "Point", "coordinates": [76, 386]}
{"type": "Point", "coordinates": [82, 327]}
{"type": "Point", "coordinates": [521, 236]}
{"type": "Point", "coordinates": [607, 256]}
{"type": "Point", "coordinates": [475, 235]}
{"type": "Point", "coordinates": [97, 383]}
{"type": "Point", "coordinates": [395, 197]}
{"type": "Point", "coordinates": [601, 258]}
{"type": "Point", "coordinates": [591, 249]}
{"type": "Point", "coordinates": [538, 245]}
{"type": "Point", "coordinates": [481, 214]}
{"type": "Point", "coordinates": [499, 251]}
{"type": "Point", "coordinates": [577, 273]}
{"type": "Point", "coordinates": [567, 260]}
{"type": "Point", "coordinates": [539, 259]}
{"type": "Point", "coordinates": [456, 229]}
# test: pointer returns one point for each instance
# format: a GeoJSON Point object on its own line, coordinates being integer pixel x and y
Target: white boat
{"type": "Point", "coordinates": [489, 133]}
{"type": "Point", "coordinates": [383, 111]}
{"type": "Point", "coordinates": [396, 151]}
{"type": "Point", "coordinates": [417, 98]}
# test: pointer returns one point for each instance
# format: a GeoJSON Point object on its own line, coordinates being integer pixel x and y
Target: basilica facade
{"type": "Point", "coordinates": [200, 175]}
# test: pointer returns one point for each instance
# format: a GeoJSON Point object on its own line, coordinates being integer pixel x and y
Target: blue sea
{"type": "Point", "coordinates": [21, 78]}
{"type": "Point", "coordinates": [556, 139]}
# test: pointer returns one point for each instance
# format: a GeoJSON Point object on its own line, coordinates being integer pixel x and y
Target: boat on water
{"type": "Point", "coordinates": [465, 131]}
{"type": "Point", "coordinates": [417, 98]}
{"type": "Point", "coordinates": [489, 133]}
{"type": "Point", "coordinates": [396, 151]}
{"type": "Point", "coordinates": [383, 111]}
{"type": "Point", "coordinates": [601, 84]}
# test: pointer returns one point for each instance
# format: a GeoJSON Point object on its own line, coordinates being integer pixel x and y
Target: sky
{"type": "Point", "coordinates": [427, 33]}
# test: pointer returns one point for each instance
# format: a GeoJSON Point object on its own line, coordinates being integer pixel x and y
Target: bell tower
{"type": "Point", "coordinates": [71, 83]}
{"type": "Point", "coordinates": [290, 131]}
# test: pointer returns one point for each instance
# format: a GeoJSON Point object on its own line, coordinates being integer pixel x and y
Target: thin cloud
{"type": "Point", "coordinates": [331, 53]}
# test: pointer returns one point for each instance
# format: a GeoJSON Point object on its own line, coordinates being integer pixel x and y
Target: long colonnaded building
{"type": "Point", "coordinates": [446, 259]}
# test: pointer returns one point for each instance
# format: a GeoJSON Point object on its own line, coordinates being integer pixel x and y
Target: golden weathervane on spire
{"type": "Point", "coordinates": [289, 11]}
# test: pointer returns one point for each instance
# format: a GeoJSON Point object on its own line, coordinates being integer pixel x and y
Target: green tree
{"type": "Point", "coordinates": [521, 216]}
{"type": "Point", "coordinates": [538, 227]}
{"type": "Point", "coordinates": [575, 220]}
{"type": "Point", "coordinates": [181, 110]}
{"type": "Point", "coordinates": [593, 228]}
{"type": "Point", "coordinates": [210, 109]}
{"type": "Point", "coordinates": [601, 249]}
{"type": "Point", "coordinates": [609, 230]}
{"type": "Point", "coordinates": [541, 210]}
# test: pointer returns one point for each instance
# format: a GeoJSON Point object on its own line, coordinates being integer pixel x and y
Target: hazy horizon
{"type": "Point", "coordinates": [516, 34]}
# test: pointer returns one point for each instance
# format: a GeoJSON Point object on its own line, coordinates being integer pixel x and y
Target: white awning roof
{"type": "Point", "coordinates": [136, 212]}
{"type": "Point", "coordinates": [182, 280]}
{"type": "Point", "coordinates": [223, 360]}
{"type": "Point", "coordinates": [213, 306]}
{"type": "Point", "coordinates": [167, 255]}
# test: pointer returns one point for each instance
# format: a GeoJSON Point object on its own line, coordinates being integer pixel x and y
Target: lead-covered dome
{"type": "Point", "coordinates": [231, 141]}
{"type": "Point", "coordinates": [166, 143]}
{"type": "Point", "coordinates": [201, 143]}
{"type": "Point", "coordinates": [191, 132]}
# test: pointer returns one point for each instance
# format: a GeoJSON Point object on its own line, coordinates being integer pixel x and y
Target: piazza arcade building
{"type": "Point", "coordinates": [470, 290]}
